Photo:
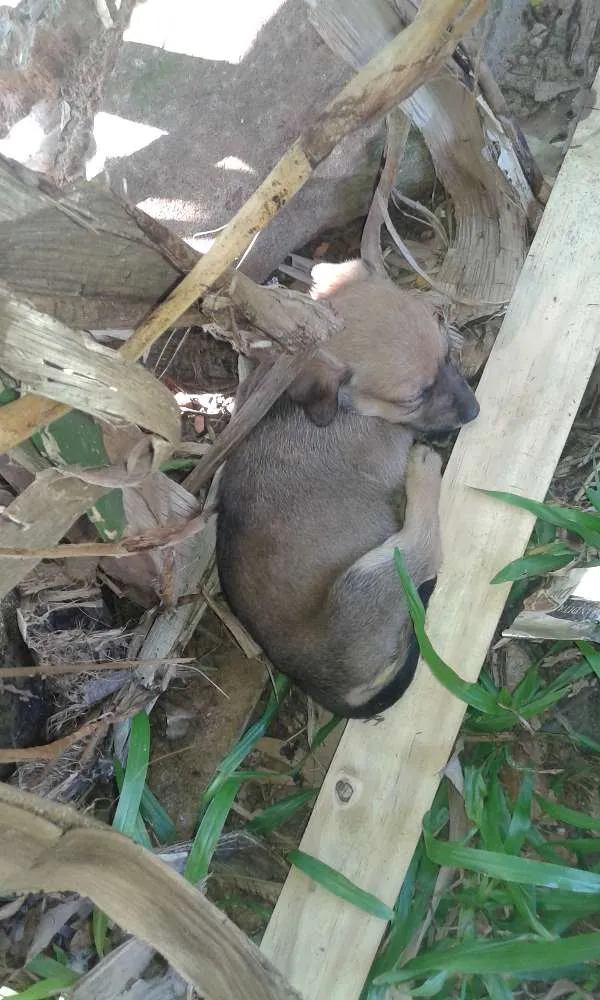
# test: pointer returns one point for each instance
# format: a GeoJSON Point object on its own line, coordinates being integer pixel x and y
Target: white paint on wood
{"type": "Point", "coordinates": [529, 394]}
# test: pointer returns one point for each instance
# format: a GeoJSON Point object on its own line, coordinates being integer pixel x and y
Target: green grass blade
{"type": "Point", "coordinates": [156, 816]}
{"type": "Point", "coordinates": [234, 758]}
{"type": "Point", "coordinates": [209, 831]}
{"type": "Point", "coordinates": [521, 955]}
{"type": "Point", "coordinates": [339, 885]}
{"type": "Point", "coordinates": [587, 526]}
{"type": "Point", "coordinates": [510, 868]}
{"type": "Point", "coordinates": [44, 967]}
{"type": "Point", "coordinates": [51, 987]}
{"type": "Point", "coordinates": [496, 988]}
{"type": "Point", "coordinates": [580, 845]}
{"type": "Point", "coordinates": [273, 816]}
{"type": "Point", "coordinates": [555, 556]}
{"type": "Point", "coordinates": [591, 655]}
{"type": "Point", "coordinates": [520, 821]}
{"type": "Point", "coordinates": [99, 929]}
{"type": "Point", "coordinates": [527, 687]}
{"type": "Point", "coordinates": [410, 910]}
{"type": "Point", "coordinates": [7, 393]}
{"type": "Point", "coordinates": [473, 694]}
{"type": "Point", "coordinates": [571, 816]}
{"type": "Point", "coordinates": [432, 986]}
{"type": "Point", "coordinates": [128, 808]}
{"type": "Point", "coordinates": [140, 833]}
{"type": "Point", "coordinates": [322, 733]}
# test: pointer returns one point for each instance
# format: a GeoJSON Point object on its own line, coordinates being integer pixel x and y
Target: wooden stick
{"type": "Point", "coordinates": [394, 73]}
{"type": "Point", "coordinates": [48, 751]}
{"type": "Point", "coordinates": [529, 394]}
{"type": "Point", "coordinates": [90, 666]}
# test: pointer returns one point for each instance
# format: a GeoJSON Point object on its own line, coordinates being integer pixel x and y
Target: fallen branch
{"type": "Point", "coordinates": [394, 73]}
{"type": "Point", "coordinates": [160, 537]}
{"type": "Point", "coordinates": [89, 666]}
{"type": "Point", "coordinates": [52, 848]}
{"type": "Point", "coordinates": [48, 751]}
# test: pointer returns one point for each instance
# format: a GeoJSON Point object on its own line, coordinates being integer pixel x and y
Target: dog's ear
{"type": "Point", "coordinates": [317, 387]}
{"type": "Point", "coordinates": [331, 278]}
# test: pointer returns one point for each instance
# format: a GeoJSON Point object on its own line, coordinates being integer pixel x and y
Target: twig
{"type": "Point", "coordinates": [160, 537]}
{"type": "Point", "coordinates": [48, 751]}
{"type": "Point", "coordinates": [89, 666]}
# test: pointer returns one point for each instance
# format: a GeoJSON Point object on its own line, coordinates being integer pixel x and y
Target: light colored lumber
{"type": "Point", "coordinates": [529, 395]}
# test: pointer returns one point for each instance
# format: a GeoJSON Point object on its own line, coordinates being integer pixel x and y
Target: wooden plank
{"type": "Point", "coordinates": [529, 395]}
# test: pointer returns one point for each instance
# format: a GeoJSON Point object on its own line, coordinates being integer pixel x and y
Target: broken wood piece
{"type": "Point", "coordinates": [52, 848]}
{"type": "Point", "coordinates": [69, 366]}
{"type": "Point", "coordinates": [163, 536]}
{"type": "Point", "coordinates": [529, 394]}
{"type": "Point", "coordinates": [293, 320]}
{"type": "Point", "coordinates": [83, 255]}
{"type": "Point", "coordinates": [393, 73]}
{"type": "Point", "coordinates": [25, 522]}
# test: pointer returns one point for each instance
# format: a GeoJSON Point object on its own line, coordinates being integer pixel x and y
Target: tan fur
{"type": "Point", "coordinates": [310, 503]}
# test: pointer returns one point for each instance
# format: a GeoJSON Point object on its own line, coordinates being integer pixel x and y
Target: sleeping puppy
{"type": "Point", "coordinates": [310, 503]}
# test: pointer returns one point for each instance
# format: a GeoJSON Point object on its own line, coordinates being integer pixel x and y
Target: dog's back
{"type": "Point", "coordinates": [309, 505]}
{"type": "Point", "coordinates": [299, 504]}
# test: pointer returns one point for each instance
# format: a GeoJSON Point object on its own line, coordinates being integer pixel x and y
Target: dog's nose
{"type": "Point", "coordinates": [468, 409]}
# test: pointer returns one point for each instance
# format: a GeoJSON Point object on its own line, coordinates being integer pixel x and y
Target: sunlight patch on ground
{"type": "Point", "coordinates": [168, 208]}
{"type": "Point", "coordinates": [222, 31]}
{"type": "Point", "coordinates": [234, 163]}
{"type": "Point", "coordinates": [115, 136]}
{"type": "Point", "coordinates": [211, 403]}
{"type": "Point", "coordinates": [23, 140]}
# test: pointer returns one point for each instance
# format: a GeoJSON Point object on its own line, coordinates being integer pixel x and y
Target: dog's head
{"type": "Point", "coordinates": [391, 360]}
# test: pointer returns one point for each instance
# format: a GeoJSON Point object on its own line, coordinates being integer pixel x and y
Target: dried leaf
{"type": "Point", "coordinates": [71, 367]}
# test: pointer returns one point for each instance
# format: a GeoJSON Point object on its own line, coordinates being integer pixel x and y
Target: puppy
{"type": "Point", "coordinates": [309, 509]}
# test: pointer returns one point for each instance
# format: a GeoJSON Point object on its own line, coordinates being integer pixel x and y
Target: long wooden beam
{"type": "Point", "coordinates": [529, 394]}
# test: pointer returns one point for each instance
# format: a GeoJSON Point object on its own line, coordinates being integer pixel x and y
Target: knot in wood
{"type": "Point", "coordinates": [344, 790]}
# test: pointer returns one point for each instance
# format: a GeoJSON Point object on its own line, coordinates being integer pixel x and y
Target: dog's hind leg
{"type": "Point", "coordinates": [368, 613]}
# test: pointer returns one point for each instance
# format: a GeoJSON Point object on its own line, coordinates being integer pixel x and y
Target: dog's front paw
{"type": "Point", "coordinates": [424, 462]}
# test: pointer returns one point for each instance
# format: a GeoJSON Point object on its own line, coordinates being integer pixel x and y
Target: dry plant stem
{"type": "Point", "coordinates": [90, 666]}
{"type": "Point", "coordinates": [160, 538]}
{"type": "Point", "coordinates": [51, 848]}
{"type": "Point", "coordinates": [370, 245]}
{"type": "Point", "coordinates": [48, 751]}
{"type": "Point", "coordinates": [394, 73]}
